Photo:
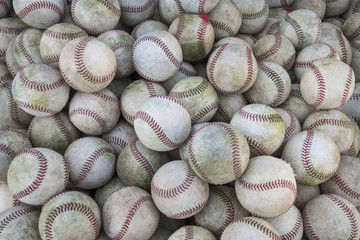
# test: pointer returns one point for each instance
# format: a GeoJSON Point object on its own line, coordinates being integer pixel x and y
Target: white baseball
{"type": "Point", "coordinates": [192, 232]}
{"type": "Point", "coordinates": [154, 123]}
{"type": "Point", "coordinates": [351, 107]}
{"type": "Point", "coordinates": [147, 26]}
{"type": "Point", "coordinates": [91, 162]}
{"type": "Point", "coordinates": [272, 26]}
{"type": "Point", "coordinates": [305, 193]}
{"type": "Point", "coordinates": [39, 13]}
{"type": "Point", "coordinates": [186, 70]}
{"type": "Point", "coordinates": [37, 174]}
{"type": "Point", "coordinates": [5, 7]}
{"type": "Point", "coordinates": [127, 211]}
{"type": "Point", "coordinates": [54, 40]}
{"type": "Point", "coordinates": [313, 155]}
{"type": "Point", "coordinates": [102, 193]}
{"type": "Point", "coordinates": [40, 90]}
{"type": "Point", "coordinates": [228, 105]}
{"type": "Point", "coordinates": [135, 12]}
{"type": "Point", "coordinates": [269, 194]}
{"type": "Point", "coordinates": [94, 113]}
{"type": "Point", "coordinates": [330, 216]}
{"type": "Point", "coordinates": [10, 60]}
{"type": "Point", "coordinates": [177, 191]}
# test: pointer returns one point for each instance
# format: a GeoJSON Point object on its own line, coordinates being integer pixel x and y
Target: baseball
{"type": "Point", "coordinates": [10, 60]}
{"type": "Point", "coordinates": [305, 193]}
{"type": "Point", "coordinates": [198, 96]}
{"type": "Point", "coordinates": [351, 27]}
{"type": "Point", "coordinates": [313, 155]}
{"type": "Point", "coordinates": [91, 162]}
{"type": "Point", "coordinates": [336, 8]}
{"type": "Point", "coordinates": [37, 174]}
{"type": "Point", "coordinates": [87, 64]}
{"type": "Point", "coordinates": [106, 190]}
{"type": "Point", "coordinates": [69, 215]}
{"type": "Point", "coordinates": [228, 105]}
{"type": "Point", "coordinates": [195, 232]}
{"type": "Point", "coordinates": [274, 189]}
{"type": "Point", "coordinates": [155, 120]}
{"type": "Point", "coordinates": [5, 75]}
{"type": "Point", "coordinates": [355, 60]}
{"type": "Point", "coordinates": [135, 12]}
{"type": "Point", "coordinates": [331, 216]}
{"type": "Point", "coordinates": [39, 90]}
{"type": "Point", "coordinates": [177, 191]}
{"type": "Point", "coordinates": [186, 70]}
{"type": "Point", "coordinates": [147, 26]}
{"type": "Point", "coordinates": [227, 164]}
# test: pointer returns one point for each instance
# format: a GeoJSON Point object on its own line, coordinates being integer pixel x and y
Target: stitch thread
{"type": "Point", "coordinates": [7, 151]}
{"type": "Point", "coordinates": [175, 191]}
{"type": "Point", "coordinates": [39, 86]}
{"type": "Point", "coordinates": [270, 118]}
{"type": "Point", "coordinates": [308, 226]}
{"type": "Point", "coordinates": [298, 30]}
{"type": "Point", "coordinates": [92, 114]}
{"type": "Point", "coordinates": [306, 159]}
{"type": "Point", "coordinates": [272, 50]}
{"type": "Point", "coordinates": [305, 64]}
{"type": "Point", "coordinates": [224, 113]}
{"type": "Point", "coordinates": [36, 108]}
{"type": "Point", "coordinates": [345, 187]}
{"type": "Point", "coordinates": [64, 35]}
{"type": "Point", "coordinates": [5, 6]}
{"type": "Point", "coordinates": [63, 128]}
{"type": "Point", "coordinates": [24, 51]}
{"type": "Point", "coordinates": [142, 161]}
{"type": "Point", "coordinates": [180, 27]}
{"type": "Point", "coordinates": [201, 32]}
{"type": "Point", "coordinates": [187, 212]}
{"type": "Point", "coordinates": [38, 5]}
{"type": "Point", "coordinates": [349, 80]}
{"type": "Point", "coordinates": [12, 30]}
{"type": "Point", "coordinates": [90, 162]}
{"type": "Point", "coordinates": [179, 6]}
{"type": "Point", "coordinates": [223, 26]}
{"type": "Point", "coordinates": [203, 112]}
{"type": "Point", "coordinates": [12, 106]}
{"type": "Point", "coordinates": [5, 78]}
{"type": "Point", "coordinates": [117, 141]}
{"type": "Point", "coordinates": [49, 59]}
{"type": "Point", "coordinates": [344, 53]}
{"type": "Point", "coordinates": [14, 215]}
{"type": "Point", "coordinates": [105, 97]}
{"type": "Point", "coordinates": [42, 170]}
{"type": "Point", "coordinates": [276, 79]}
{"type": "Point", "coordinates": [251, 16]}
{"type": "Point", "coordinates": [189, 233]}
{"type": "Point", "coordinates": [295, 230]}
{"type": "Point", "coordinates": [289, 62]}
{"type": "Point", "coordinates": [264, 229]}
{"type": "Point", "coordinates": [321, 86]}
{"type": "Point", "coordinates": [137, 9]}
{"type": "Point", "coordinates": [272, 27]}
{"type": "Point", "coordinates": [71, 207]}
{"type": "Point", "coordinates": [291, 128]}
{"type": "Point", "coordinates": [330, 122]}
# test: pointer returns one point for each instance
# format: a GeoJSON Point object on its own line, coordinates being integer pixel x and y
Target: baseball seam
{"type": "Point", "coordinates": [272, 27]}
{"type": "Point", "coordinates": [264, 229]}
{"type": "Point", "coordinates": [344, 187]}
{"type": "Point", "coordinates": [201, 6]}
{"type": "Point", "coordinates": [223, 26]}
{"type": "Point", "coordinates": [291, 128]}
{"type": "Point", "coordinates": [204, 111]}
{"type": "Point", "coordinates": [201, 32]}
{"type": "Point", "coordinates": [7, 151]}
{"type": "Point", "coordinates": [272, 50]}
{"type": "Point", "coordinates": [115, 140]}
{"type": "Point", "coordinates": [189, 232]}
{"type": "Point", "coordinates": [344, 53]}
{"type": "Point", "coordinates": [321, 86]}
{"type": "Point", "coordinates": [121, 45]}
{"type": "Point", "coordinates": [105, 97]}
{"type": "Point", "coordinates": [295, 230]}
{"type": "Point", "coordinates": [330, 122]}
{"type": "Point", "coordinates": [175, 191]}
{"type": "Point", "coordinates": [90, 113]}
{"type": "Point", "coordinates": [270, 118]}
{"type": "Point", "coordinates": [63, 35]}
{"type": "Point", "coordinates": [14, 215]}
{"type": "Point", "coordinates": [251, 16]}
{"type": "Point", "coordinates": [224, 113]}
{"type": "Point", "coordinates": [190, 211]}
{"type": "Point", "coordinates": [289, 62]}
{"type": "Point", "coordinates": [347, 86]}
{"type": "Point", "coordinates": [299, 32]}
{"type": "Point", "coordinates": [63, 128]}
{"type": "Point", "coordinates": [12, 107]}
{"type": "Point", "coordinates": [39, 86]}
{"type": "Point", "coordinates": [306, 159]}
{"type": "Point", "coordinates": [137, 9]}
{"type": "Point", "coordinates": [305, 64]}
{"type": "Point", "coordinates": [130, 216]}
{"type": "Point", "coordinates": [42, 171]}
{"type": "Point", "coordinates": [179, 6]}
{"type": "Point", "coordinates": [23, 50]}
{"type": "Point", "coordinates": [5, 78]}
{"type": "Point", "coordinates": [279, 84]}
{"type": "Point", "coordinates": [32, 107]}
{"type": "Point", "coordinates": [53, 58]}
{"type": "Point", "coordinates": [71, 207]}
{"type": "Point", "coordinates": [90, 162]}
{"type": "Point", "coordinates": [201, 87]}
{"type": "Point", "coordinates": [31, 7]}
{"type": "Point", "coordinates": [5, 6]}
{"type": "Point", "coordinates": [142, 160]}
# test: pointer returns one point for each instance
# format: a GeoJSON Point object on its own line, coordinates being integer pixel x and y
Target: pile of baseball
{"type": "Point", "coordinates": [179, 119]}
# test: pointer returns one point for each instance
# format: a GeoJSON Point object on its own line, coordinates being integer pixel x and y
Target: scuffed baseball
{"type": "Point", "coordinates": [194, 232]}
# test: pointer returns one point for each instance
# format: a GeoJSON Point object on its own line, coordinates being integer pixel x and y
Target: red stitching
{"type": "Point", "coordinates": [82, 69]}
{"type": "Point", "coordinates": [68, 207]}
{"type": "Point", "coordinates": [355, 97]}
{"type": "Point", "coordinates": [213, 62]}
{"type": "Point", "coordinates": [201, 6]}
{"type": "Point", "coordinates": [349, 80]}
{"type": "Point", "coordinates": [90, 162]}
{"type": "Point", "coordinates": [137, 9]}
{"type": "Point", "coordinates": [297, 95]}
{"type": "Point", "coordinates": [276, 79]}
{"type": "Point", "coordinates": [291, 128]}
{"type": "Point", "coordinates": [160, 133]}
{"type": "Point", "coordinates": [94, 115]}
{"type": "Point", "coordinates": [150, 88]}
{"type": "Point", "coordinates": [105, 97]}
{"type": "Point", "coordinates": [12, 106]}
{"type": "Point", "coordinates": [5, 78]}
{"type": "Point", "coordinates": [172, 58]}
{"type": "Point", "coordinates": [305, 64]}
{"type": "Point", "coordinates": [36, 108]}
{"type": "Point", "coordinates": [295, 230]}
{"type": "Point", "coordinates": [175, 191]}
{"type": "Point", "coordinates": [187, 72]}
{"type": "Point", "coordinates": [249, 16]}
{"type": "Point", "coordinates": [7, 151]}
{"type": "Point", "coordinates": [348, 212]}
{"type": "Point", "coordinates": [5, 6]}
{"type": "Point", "coordinates": [308, 226]}
{"type": "Point", "coordinates": [179, 6]}
{"type": "Point", "coordinates": [254, 223]}
{"type": "Point", "coordinates": [306, 159]}
{"type": "Point", "coordinates": [190, 211]}
{"type": "Point", "coordinates": [201, 35]}
{"type": "Point", "coordinates": [38, 5]}
{"type": "Point", "coordinates": [204, 84]}
{"type": "Point", "coordinates": [66, 173]}
{"type": "Point", "coordinates": [15, 202]}
{"type": "Point", "coordinates": [189, 232]}
{"type": "Point", "coordinates": [319, 28]}
{"type": "Point", "coordinates": [272, 50]}
{"type": "Point", "coordinates": [289, 63]}
{"type": "Point", "coordinates": [141, 159]}
{"type": "Point", "coordinates": [356, 7]}
{"type": "Point", "coordinates": [12, 30]}
{"type": "Point", "coordinates": [63, 128]}
{"type": "Point", "coordinates": [229, 210]}
{"type": "Point", "coordinates": [49, 59]}
{"type": "Point", "coordinates": [131, 214]}
{"type": "Point", "coordinates": [344, 53]}
{"type": "Point", "coordinates": [272, 27]}
{"type": "Point", "coordinates": [260, 117]}
{"type": "Point", "coordinates": [20, 43]}
{"type": "Point", "coordinates": [224, 113]}
{"type": "Point", "coordinates": [354, 35]}
{"type": "Point", "coordinates": [257, 146]}
{"type": "Point", "coordinates": [345, 187]}
{"type": "Point", "coordinates": [207, 109]}
{"type": "Point", "coordinates": [180, 27]}
{"type": "Point", "coordinates": [119, 45]}
{"type": "Point", "coordinates": [330, 122]}
{"type": "Point", "coordinates": [279, 183]}
{"type": "Point", "coordinates": [76, 20]}
{"type": "Point", "coordinates": [42, 170]}
{"type": "Point", "coordinates": [64, 35]}
{"type": "Point", "coordinates": [114, 140]}
{"type": "Point", "coordinates": [298, 30]}
{"type": "Point", "coordinates": [14, 215]}
{"type": "Point", "coordinates": [320, 85]}
{"type": "Point", "coordinates": [223, 26]}
{"type": "Point", "coordinates": [39, 86]}
{"type": "Point", "coordinates": [250, 67]}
